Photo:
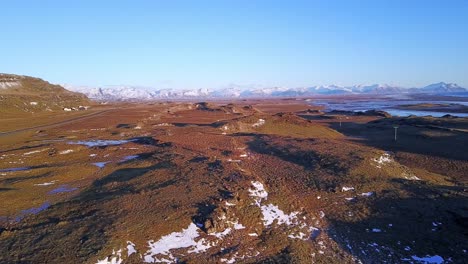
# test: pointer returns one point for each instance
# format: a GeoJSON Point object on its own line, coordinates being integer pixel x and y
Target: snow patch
{"type": "Point", "coordinates": [34, 151]}
{"type": "Point", "coordinates": [259, 123]}
{"type": "Point", "coordinates": [258, 192]}
{"type": "Point", "coordinates": [46, 183]}
{"type": "Point", "coordinates": [383, 159]}
{"type": "Point", "coordinates": [130, 248]}
{"type": "Point", "coordinates": [272, 212]}
{"type": "Point", "coordinates": [115, 259]}
{"type": "Point", "coordinates": [345, 189]}
{"type": "Point", "coordinates": [184, 239]}
{"type": "Point", "coordinates": [367, 194]}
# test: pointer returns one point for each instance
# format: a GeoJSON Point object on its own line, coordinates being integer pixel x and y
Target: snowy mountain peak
{"type": "Point", "coordinates": [443, 87]}
{"type": "Point", "coordinates": [122, 93]}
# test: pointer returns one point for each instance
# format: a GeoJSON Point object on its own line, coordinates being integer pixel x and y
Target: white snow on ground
{"type": "Point", "coordinates": [299, 236]}
{"type": "Point", "coordinates": [236, 257]}
{"type": "Point", "coordinates": [34, 151]}
{"type": "Point", "coordinates": [237, 225]}
{"type": "Point", "coordinates": [115, 259]}
{"type": "Point", "coordinates": [66, 151]}
{"type": "Point", "coordinates": [345, 189]}
{"type": "Point", "coordinates": [350, 198]}
{"type": "Point", "coordinates": [384, 159]}
{"type": "Point", "coordinates": [258, 192]}
{"type": "Point", "coordinates": [187, 238]}
{"type": "Point", "coordinates": [322, 214]}
{"type": "Point", "coordinates": [130, 248]}
{"type": "Point", "coordinates": [259, 123]}
{"type": "Point", "coordinates": [184, 239]}
{"type": "Point", "coordinates": [429, 259]}
{"type": "Point", "coordinates": [413, 178]}
{"type": "Point", "coordinates": [46, 183]}
{"type": "Point", "coordinates": [8, 84]}
{"type": "Point", "coordinates": [222, 234]}
{"type": "Point", "coordinates": [272, 212]}
{"type": "Point", "coordinates": [193, 240]}
{"type": "Point", "coordinates": [367, 194]}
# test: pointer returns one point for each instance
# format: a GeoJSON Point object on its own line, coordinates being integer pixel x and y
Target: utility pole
{"type": "Point", "coordinates": [396, 128]}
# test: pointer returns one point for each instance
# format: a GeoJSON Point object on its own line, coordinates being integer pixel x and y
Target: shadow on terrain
{"type": "Point", "coordinates": [74, 231]}
{"type": "Point", "coordinates": [411, 138]}
{"type": "Point", "coordinates": [6, 189]}
{"type": "Point", "coordinates": [204, 211]}
{"type": "Point", "coordinates": [144, 141]}
{"type": "Point", "coordinates": [327, 169]}
{"type": "Point", "coordinates": [14, 180]}
{"type": "Point", "coordinates": [430, 220]}
{"type": "Point", "coordinates": [214, 125]}
{"type": "Point", "coordinates": [109, 187]}
{"type": "Point", "coordinates": [25, 147]}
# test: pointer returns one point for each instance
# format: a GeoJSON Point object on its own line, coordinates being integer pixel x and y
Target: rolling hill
{"type": "Point", "coordinates": [24, 94]}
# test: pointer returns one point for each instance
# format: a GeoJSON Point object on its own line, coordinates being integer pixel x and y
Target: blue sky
{"type": "Point", "coordinates": [212, 44]}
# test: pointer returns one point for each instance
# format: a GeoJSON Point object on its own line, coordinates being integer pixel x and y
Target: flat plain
{"type": "Point", "coordinates": [248, 181]}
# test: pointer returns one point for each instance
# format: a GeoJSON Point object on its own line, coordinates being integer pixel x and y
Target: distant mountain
{"type": "Point", "coordinates": [118, 93]}
{"type": "Point", "coordinates": [442, 87]}
{"type": "Point", "coordinates": [20, 93]}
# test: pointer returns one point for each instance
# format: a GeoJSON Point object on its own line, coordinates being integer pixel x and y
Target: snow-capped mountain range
{"type": "Point", "coordinates": [123, 93]}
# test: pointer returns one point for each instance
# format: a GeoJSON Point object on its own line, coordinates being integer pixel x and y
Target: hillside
{"type": "Point", "coordinates": [24, 94]}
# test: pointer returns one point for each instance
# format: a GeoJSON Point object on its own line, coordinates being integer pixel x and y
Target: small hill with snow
{"type": "Point", "coordinates": [26, 94]}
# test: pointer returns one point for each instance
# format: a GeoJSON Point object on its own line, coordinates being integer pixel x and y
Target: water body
{"type": "Point", "coordinates": [63, 189]}
{"type": "Point", "coordinates": [388, 105]}
{"type": "Point", "coordinates": [100, 164]}
{"type": "Point", "coordinates": [99, 142]}
{"type": "Point", "coordinates": [33, 210]}
{"type": "Point", "coordinates": [15, 169]}
{"type": "Point", "coordinates": [130, 157]}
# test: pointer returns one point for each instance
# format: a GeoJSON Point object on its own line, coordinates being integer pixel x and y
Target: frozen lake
{"type": "Point", "coordinates": [388, 105]}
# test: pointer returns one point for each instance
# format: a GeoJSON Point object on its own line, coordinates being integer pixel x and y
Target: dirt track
{"type": "Point", "coordinates": [71, 120]}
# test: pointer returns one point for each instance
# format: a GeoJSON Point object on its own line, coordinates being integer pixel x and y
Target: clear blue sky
{"type": "Point", "coordinates": [210, 44]}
